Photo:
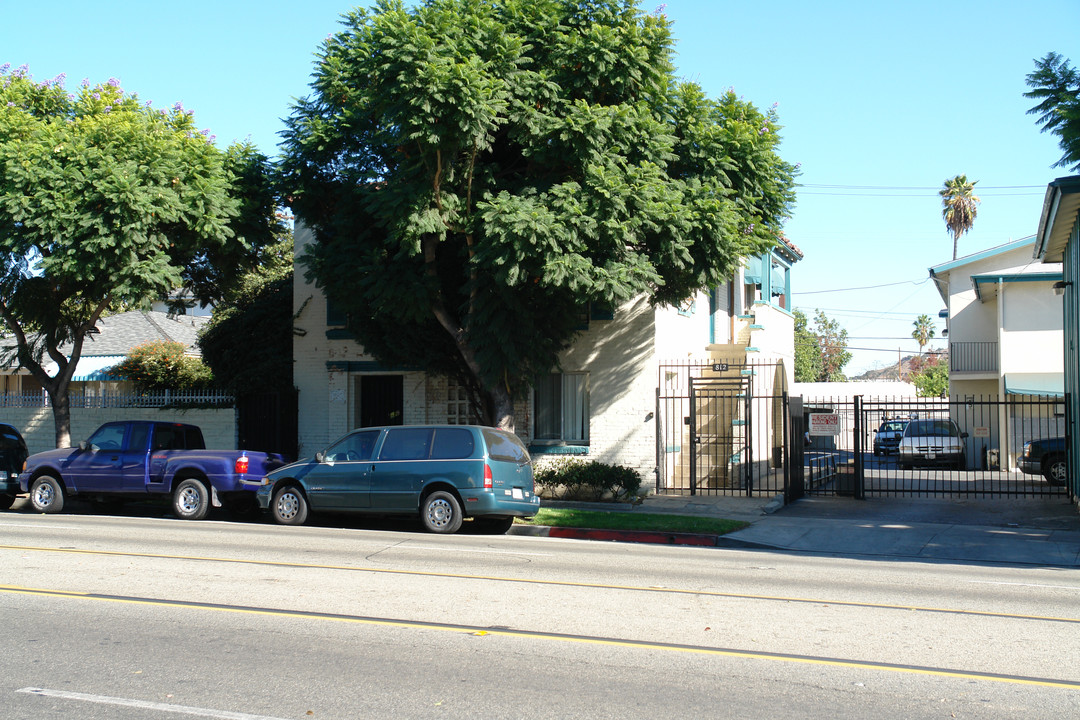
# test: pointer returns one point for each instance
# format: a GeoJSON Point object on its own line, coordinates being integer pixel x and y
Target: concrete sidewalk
{"type": "Point", "coordinates": [1026, 531]}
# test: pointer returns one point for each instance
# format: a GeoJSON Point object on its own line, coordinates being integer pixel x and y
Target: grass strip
{"type": "Point", "coordinates": [618, 520]}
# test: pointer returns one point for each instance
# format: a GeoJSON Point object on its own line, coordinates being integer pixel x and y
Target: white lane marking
{"type": "Point", "coordinates": [145, 705]}
{"type": "Point", "coordinates": [39, 525]}
{"type": "Point", "coordinates": [1032, 585]}
{"type": "Point", "coordinates": [406, 546]}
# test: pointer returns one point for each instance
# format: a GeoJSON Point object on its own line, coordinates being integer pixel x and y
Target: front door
{"type": "Point", "coordinates": [381, 401]}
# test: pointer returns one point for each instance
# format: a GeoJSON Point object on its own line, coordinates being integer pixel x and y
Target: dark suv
{"type": "Point", "coordinates": [887, 438]}
{"type": "Point", "coordinates": [12, 456]}
{"type": "Point", "coordinates": [1045, 457]}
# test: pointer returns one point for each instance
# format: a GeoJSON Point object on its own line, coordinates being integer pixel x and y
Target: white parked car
{"type": "Point", "coordinates": [932, 442]}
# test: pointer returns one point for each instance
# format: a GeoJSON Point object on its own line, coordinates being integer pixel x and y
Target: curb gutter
{"type": "Point", "coordinates": [634, 536]}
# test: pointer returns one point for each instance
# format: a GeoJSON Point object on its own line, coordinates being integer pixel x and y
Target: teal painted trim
{"type": "Point", "coordinates": [673, 448]}
{"type": "Point", "coordinates": [339, 334]}
{"type": "Point", "coordinates": [712, 317]}
{"type": "Point", "coordinates": [746, 317]}
{"type": "Point", "coordinates": [558, 449]}
{"type": "Point", "coordinates": [364, 366]}
{"type": "Point", "coordinates": [748, 372]}
{"type": "Point", "coordinates": [977, 281]}
{"type": "Point", "coordinates": [752, 349]}
{"type": "Point", "coordinates": [738, 422]}
{"type": "Point", "coordinates": [757, 327]}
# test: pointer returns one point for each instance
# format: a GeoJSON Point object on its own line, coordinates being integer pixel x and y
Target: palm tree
{"type": "Point", "coordinates": [959, 206]}
{"type": "Point", "coordinates": [924, 331]}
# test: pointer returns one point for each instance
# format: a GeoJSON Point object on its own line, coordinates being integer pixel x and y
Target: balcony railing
{"type": "Point", "coordinates": [973, 357]}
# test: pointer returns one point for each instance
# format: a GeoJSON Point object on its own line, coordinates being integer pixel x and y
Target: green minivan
{"type": "Point", "coordinates": [443, 473]}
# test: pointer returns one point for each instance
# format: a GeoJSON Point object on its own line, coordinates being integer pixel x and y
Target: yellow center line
{"type": "Point", "coordinates": [559, 637]}
{"type": "Point", "coordinates": [556, 583]}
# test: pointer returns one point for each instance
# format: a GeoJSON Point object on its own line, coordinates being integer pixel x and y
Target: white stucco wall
{"type": "Point", "coordinates": [1032, 339]}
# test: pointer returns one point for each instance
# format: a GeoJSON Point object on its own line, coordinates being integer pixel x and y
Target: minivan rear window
{"type": "Point", "coordinates": [504, 446]}
{"type": "Point", "coordinates": [452, 444]}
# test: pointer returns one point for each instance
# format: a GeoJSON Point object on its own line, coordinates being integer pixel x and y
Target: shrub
{"type": "Point", "coordinates": [163, 365]}
{"type": "Point", "coordinates": [573, 479]}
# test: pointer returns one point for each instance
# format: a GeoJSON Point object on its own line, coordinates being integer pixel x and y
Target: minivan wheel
{"type": "Point", "coordinates": [46, 495]}
{"type": "Point", "coordinates": [289, 506]}
{"type": "Point", "coordinates": [441, 512]}
{"type": "Point", "coordinates": [1054, 470]}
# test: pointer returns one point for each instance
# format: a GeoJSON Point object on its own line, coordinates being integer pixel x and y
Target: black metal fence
{"type": "Point", "coordinates": [971, 447]}
{"type": "Point", "coordinates": [718, 432]}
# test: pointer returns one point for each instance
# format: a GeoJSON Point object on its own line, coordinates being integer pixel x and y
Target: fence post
{"type": "Point", "coordinates": [858, 446]}
{"type": "Point", "coordinates": [794, 478]}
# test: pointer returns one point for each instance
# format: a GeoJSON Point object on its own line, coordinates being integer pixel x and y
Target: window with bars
{"type": "Point", "coordinates": [459, 411]}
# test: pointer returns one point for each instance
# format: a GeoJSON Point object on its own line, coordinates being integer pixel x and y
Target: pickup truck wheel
{"type": "Point", "coordinates": [6, 501]}
{"type": "Point", "coordinates": [441, 512]}
{"type": "Point", "coordinates": [1054, 470]}
{"type": "Point", "coordinates": [289, 506]}
{"type": "Point", "coordinates": [191, 500]}
{"type": "Point", "coordinates": [46, 495]}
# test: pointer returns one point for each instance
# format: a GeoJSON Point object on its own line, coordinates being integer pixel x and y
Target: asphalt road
{"type": "Point", "coordinates": [144, 617]}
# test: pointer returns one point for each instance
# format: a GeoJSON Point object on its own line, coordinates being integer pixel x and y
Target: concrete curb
{"type": "Point", "coordinates": [633, 536]}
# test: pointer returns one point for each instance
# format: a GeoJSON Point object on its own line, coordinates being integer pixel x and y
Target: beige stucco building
{"type": "Point", "coordinates": [601, 406]}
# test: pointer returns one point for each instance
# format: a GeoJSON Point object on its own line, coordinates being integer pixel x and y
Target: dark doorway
{"type": "Point", "coordinates": [267, 422]}
{"type": "Point", "coordinates": [382, 400]}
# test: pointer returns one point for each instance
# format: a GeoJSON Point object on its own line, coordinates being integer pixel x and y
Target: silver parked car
{"type": "Point", "coordinates": [932, 442]}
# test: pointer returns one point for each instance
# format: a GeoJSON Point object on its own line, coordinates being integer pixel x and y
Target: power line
{"type": "Point", "coordinates": [864, 287]}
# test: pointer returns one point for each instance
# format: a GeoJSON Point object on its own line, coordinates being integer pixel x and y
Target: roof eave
{"type": "Point", "coordinates": [1059, 214]}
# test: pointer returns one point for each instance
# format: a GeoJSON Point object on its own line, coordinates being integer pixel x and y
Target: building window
{"type": "Point", "coordinates": [459, 411]}
{"type": "Point", "coordinates": [562, 408]}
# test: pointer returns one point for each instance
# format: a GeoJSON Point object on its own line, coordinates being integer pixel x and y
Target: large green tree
{"type": "Point", "coordinates": [248, 342]}
{"type": "Point", "coordinates": [106, 201]}
{"type": "Point", "coordinates": [959, 206]}
{"type": "Point", "coordinates": [477, 172]}
{"type": "Point", "coordinates": [807, 350]}
{"type": "Point", "coordinates": [821, 351]}
{"type": "Point", "coordinates": [1056, 85]}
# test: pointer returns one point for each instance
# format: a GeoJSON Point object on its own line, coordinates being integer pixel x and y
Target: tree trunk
{"type": "Point", "coordinates": [502, 408]}
{"type": "Point", "coordinates": [61, 407]}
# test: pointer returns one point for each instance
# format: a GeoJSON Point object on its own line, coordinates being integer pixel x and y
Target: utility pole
{"type": "Point", "coordinates": [899, 366]}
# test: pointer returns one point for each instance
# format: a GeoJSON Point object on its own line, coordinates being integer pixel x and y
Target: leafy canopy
{"type": "Point", "coordinates": [476, 172]}
{"type": "Point", "coordinates": [106, 201]}
{"type": "Point", "coordinates": [248, 342]}
{"type": "Point", "coordinates": [1056, 85]}
{"type": "Point", "coordinates": [821, 351]}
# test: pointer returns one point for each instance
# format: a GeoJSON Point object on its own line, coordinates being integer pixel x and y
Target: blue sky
{"type": "Point", "coordinates": [880, 102]}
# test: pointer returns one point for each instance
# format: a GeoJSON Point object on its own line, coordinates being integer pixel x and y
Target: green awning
{"type": "Point", "coordinates": [1035, 384]}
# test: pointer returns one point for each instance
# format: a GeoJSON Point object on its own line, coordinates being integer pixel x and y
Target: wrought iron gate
{"type": "Point", "coordinates": [718, 433]}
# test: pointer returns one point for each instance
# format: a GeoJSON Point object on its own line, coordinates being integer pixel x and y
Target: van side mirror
{"type": "Point", "coordinates": [320, 457]}
{"type": "Point", "coordinates": [963, 435]}
{"type": "Point", "coordinates": [83, 445]}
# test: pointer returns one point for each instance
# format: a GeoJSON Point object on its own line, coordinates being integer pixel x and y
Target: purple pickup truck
{"type": "Point", "coordinates": [139, 459]}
